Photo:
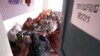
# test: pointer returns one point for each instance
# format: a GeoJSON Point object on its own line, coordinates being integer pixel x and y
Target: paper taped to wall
{"type": "Point", "coordinates": [85, 15]}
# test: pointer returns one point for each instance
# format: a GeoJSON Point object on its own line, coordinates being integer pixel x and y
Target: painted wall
{"type": "Point", "coordinates": [4, 44]}
{"type": "Point", "coordinates": [10, 10]}
{"type": "Point", "coordinates": [45, 4]}
{"type": "Point", "coordinates": [55, 5]}
{"type": "Point", "coordinates": [18, 13]}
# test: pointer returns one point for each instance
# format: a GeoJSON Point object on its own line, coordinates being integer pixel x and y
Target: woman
{"type": "Point", "coordinates": [27, 24]}
{"type": "Point", "coordinates": [38, 47]}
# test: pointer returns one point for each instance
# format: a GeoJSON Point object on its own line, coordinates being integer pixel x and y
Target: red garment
{"type": "Point", "coordinates": [54, 41]}
{"type": "Point", "coordinates": [28, 2]}
{"type": "Point", "coordinates": [41, 15]}
{"type": "Point", "coordinates": [35, 20]}
{"type": "Point", "coordinates": [27, 24]}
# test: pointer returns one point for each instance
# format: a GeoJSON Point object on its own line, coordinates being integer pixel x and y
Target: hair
{"type": "Point", "coordinates": [27, 33]}
{"type": "Point", "coordinates": [29, 19]}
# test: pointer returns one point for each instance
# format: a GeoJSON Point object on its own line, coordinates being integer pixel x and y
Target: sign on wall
{"type": "Point", "coordinates": [86, 16]}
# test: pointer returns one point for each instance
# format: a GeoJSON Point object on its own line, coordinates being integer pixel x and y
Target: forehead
{"type": "Point", "coordinates": [26, 35]}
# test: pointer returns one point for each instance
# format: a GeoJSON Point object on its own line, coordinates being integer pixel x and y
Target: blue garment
{"type": "Point", "coordinates": [14, 1]}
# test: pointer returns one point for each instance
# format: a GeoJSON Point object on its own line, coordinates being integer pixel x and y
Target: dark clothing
{"type": "Point", "coordinates": [44, 46]}
{"type": "Point", "coordinates": [12, 44]}
{"type": "Point", "coordinates": [33, 49]}
{"type": "Point", "coordinates": [38, 46]}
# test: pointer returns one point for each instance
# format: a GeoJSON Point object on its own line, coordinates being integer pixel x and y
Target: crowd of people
{"type": "Point", "coordinates": [39, 36]}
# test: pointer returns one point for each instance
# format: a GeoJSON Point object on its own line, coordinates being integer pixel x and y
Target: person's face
{"type": "Point", "coordinates": [29, 20]}
{"type": "Point", "coordinates": [27, 37]}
